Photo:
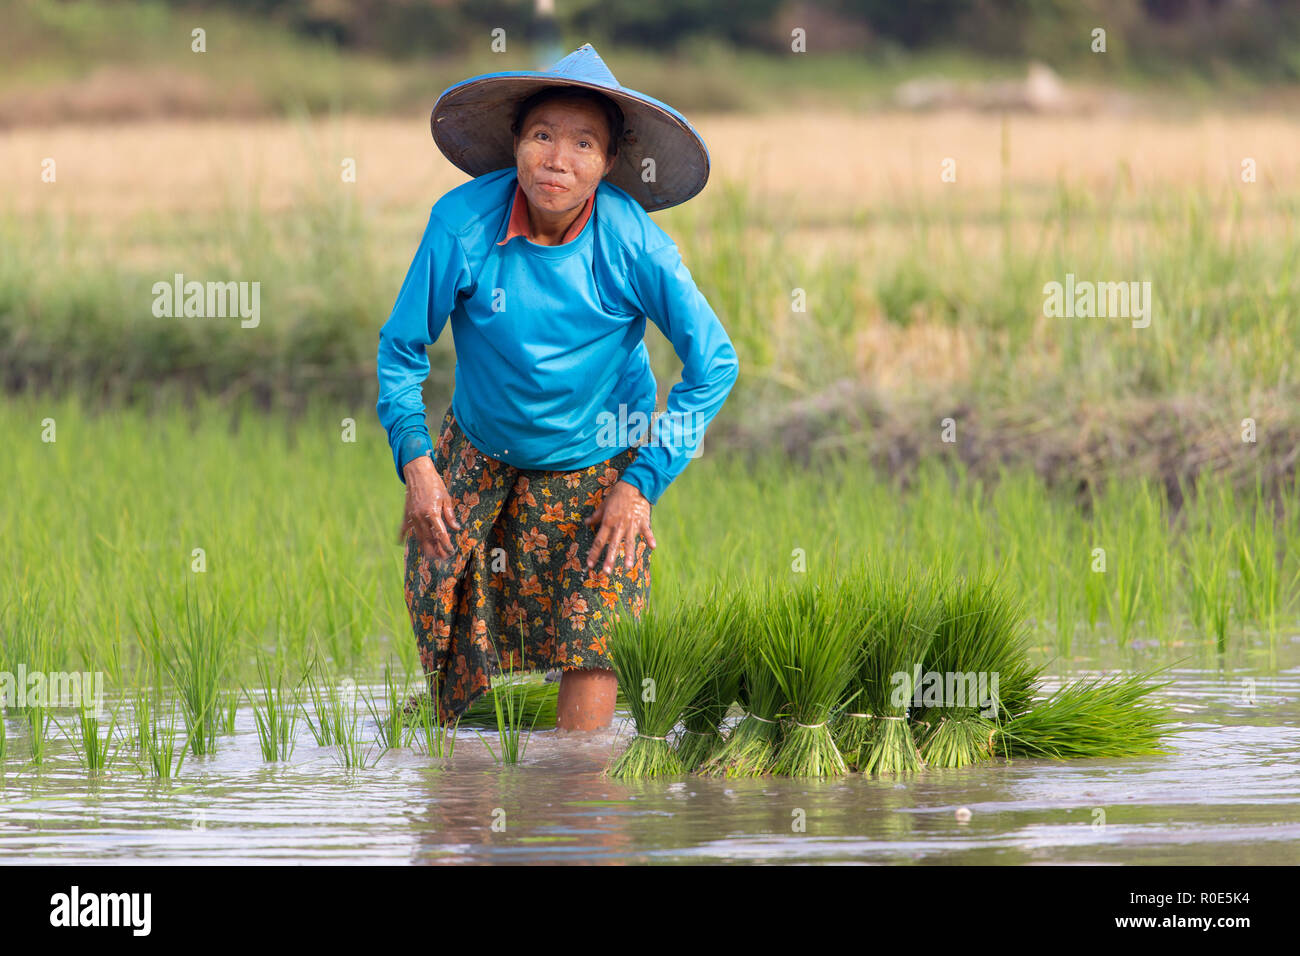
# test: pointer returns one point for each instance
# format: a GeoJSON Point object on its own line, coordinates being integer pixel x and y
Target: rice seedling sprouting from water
{"type": "Point", "coordinates": [319, 694]}
{"type": "Point", "coordinates": [38, 726]}
{"type": "Point", "coordinates": [392, 720]}
{"type": "Point", "coordinates": [197, 660]}
{"type": "Point", "coordinates": [157, 734]}
{"type": "Point", "coordinates": [275, 711]}
{"type": "Point", "coordinates": [343, 718]}
{"type": "Point", "coordinates": [662, 661]}
{"type": "Point", "coordinates": [95, 751]}
{"type": "Point", "coordinates": [439, 740]}
{"type": "Point", "coordinates": [510, 693]}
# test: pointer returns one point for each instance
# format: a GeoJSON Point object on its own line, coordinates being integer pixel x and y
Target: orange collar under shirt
{"type": "Point", "coordinates": [519, 225]}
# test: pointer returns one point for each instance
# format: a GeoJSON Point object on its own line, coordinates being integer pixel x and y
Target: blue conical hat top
{"type": "Point", "coordinates": [471, 125]}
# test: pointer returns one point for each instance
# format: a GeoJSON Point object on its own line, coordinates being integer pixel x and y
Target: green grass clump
{"type": "Point", "coordinates": [1092, 717]}
{"type": "Point", "coordinates": [532, 698]}
{"type": "Point", "coordinates": [662, 661]}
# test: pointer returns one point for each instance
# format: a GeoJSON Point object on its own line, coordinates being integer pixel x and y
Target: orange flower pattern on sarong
{"type": "Point", "coordinates": [519, 573]}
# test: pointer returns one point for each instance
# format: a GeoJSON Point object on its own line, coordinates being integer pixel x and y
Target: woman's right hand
{"type": "Point", "coordinates": [430, 509]}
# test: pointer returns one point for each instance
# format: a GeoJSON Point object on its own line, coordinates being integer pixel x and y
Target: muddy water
{"type": "Point", "coordinates": [1228, 792]}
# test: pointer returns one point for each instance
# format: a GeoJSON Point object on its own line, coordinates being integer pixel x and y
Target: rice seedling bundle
{"type": "Point", "coordinates": [811, 641]}
{"type": "Point", "coordinates": [750, 749]}
{"type": "Point", "coordinates": [905, 613]}
{"type": "Point", "coordinates": [977, 665]}
{"type": "Point", "coordinates": [1092, 717]}
{"type": "Point", "coordinates": [533, 700]}
{"type": "Point", "coordinates": [702, 737]}
{"type": "Point", "coordinates": [662, 661]}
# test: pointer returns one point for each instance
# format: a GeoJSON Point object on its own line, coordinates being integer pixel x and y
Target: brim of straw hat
{"type": "Point", "coordinates": [471, 126]}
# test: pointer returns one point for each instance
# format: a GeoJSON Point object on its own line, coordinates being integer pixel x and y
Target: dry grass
{"type": "Point", "coordinates": [817, 169]}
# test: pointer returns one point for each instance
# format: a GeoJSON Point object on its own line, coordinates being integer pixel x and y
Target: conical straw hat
{"type": "Point", "coordinates": [471, 125]}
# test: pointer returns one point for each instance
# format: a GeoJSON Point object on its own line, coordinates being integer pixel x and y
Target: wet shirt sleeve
{"type": "Point", "coordinates": [438, 273]}
{"type": "Point", "coordinates": [672, 301]}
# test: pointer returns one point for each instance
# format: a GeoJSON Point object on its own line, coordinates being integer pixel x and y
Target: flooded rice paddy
{"type": "Point", "coordinates": [1229, 791]}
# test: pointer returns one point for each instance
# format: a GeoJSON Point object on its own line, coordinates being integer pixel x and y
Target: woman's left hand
{"type": "Point", "coordinates": [623, 514]}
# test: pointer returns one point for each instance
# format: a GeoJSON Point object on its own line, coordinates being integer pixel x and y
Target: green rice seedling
{"type": "Point", "coordinates": [391, 719]}
{"type": "Point", "coordinates": [197, 661]}
{"type": "Point", "coordinates": [4, 739]}
{"type": "Point", "coordinates": [320, 692]}
{"type": "Point", "coordinates": [1266, 594]}
{"type": "Point", "coordinates": [95, 752]}
{"type": "Point", "coordinates": [663, 660]}
{"type": "Point", "coordinates": [229, 711]}
{"type": "Point", "coordinates": [275, 711]}
{"type": "Point", "coordinates": [159, 735]}
{"type": "Point", "coordinates": [813, 641]}
{"type": "Point", "coordinates": [343, 718]}
{"type": "Point", "coordinates": [509, 695]}
{"type": "Point", "coordinates": [750, 748]}
{"type": "Point", "coordinates": [980, 647]}
{"type": "Point", "coordinates": [439, 740]}
{"type": "Point", "coordinates": [906, 616]}
{"type": "Point", "coordinates": [38, 726]}
{"type": "Point", "coordinates": [534, 698]}
{"type": "Point", "coordinates": [1209, 589]}
{"type": "Point", "coordinates": [702, 736]}
{"type": "Point", "coordinates": [1092, 717]}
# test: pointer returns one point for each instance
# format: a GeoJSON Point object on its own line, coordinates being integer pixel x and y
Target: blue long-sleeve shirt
{"type": "Point", "coordinates": [550, 339]}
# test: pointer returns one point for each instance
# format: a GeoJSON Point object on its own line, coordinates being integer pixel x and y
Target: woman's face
{"type": "Point", "coordinates": [560, 154]}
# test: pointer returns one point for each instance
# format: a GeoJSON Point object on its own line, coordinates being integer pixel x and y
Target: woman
{"type": "Point", "coordinates": [548, 266]}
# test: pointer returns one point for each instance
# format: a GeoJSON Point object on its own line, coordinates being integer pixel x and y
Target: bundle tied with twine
{"type": "Point", "coordinates": [661, 661]}
{"type": "Point", "coordinates": [701, 735]}
{"type": "Point", "coordinates": [977, 663]}
{"type": "Point", "coordinates": [872, 730]}
{"type": "Point", "coordinates": [750, 748]}
{"type": "Point", "coordinates": [811, 640]}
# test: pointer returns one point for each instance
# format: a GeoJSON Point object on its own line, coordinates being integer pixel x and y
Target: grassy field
{"type": "Point", "coordinates": [285, 539]}
{"type": "Point", "coordinates": [923, 299]}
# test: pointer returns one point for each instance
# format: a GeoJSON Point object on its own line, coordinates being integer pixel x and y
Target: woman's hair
{"type": "Point", "coordinates": [613, 114]}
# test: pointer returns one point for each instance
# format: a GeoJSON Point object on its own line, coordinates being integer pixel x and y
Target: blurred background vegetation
{"type": "Point", "coordinates": [117, 59]}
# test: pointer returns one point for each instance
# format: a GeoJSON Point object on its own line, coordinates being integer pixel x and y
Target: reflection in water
{"type": "Point", "coordinates": [1229, 791]}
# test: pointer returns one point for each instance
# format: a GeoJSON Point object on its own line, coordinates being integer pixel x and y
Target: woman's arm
{"type": "Point", "coordinates": [437, 275]}
{"type": "Point", "coordinates": [670, 299]}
